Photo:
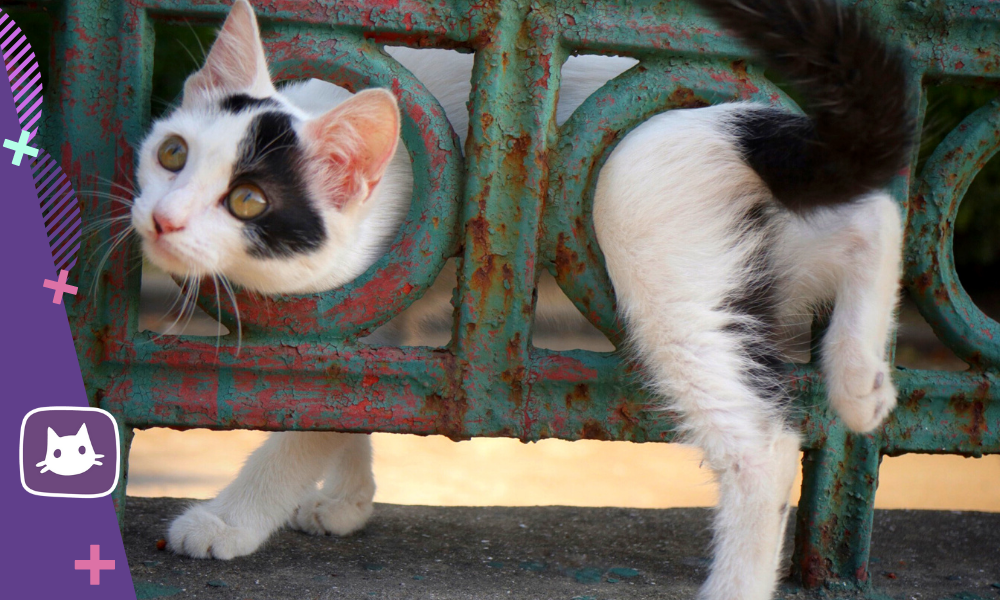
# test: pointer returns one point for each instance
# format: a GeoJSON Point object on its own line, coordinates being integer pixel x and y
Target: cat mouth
{"type": "Point", "coordinates": [162, 253]}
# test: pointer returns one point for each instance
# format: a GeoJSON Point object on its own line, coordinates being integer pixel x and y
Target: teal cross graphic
{"type": "Point", "coordinates": [20, 148]}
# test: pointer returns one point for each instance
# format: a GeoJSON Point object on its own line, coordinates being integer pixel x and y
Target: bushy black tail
{"type": "Point", "coordinates": [861, 126]}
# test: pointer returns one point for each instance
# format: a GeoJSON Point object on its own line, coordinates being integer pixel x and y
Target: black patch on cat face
{"type": "Point", "coordinates": [756, 298]}
{"type": "Point", "coordinates": [270, 157]}
{"type": "Point", "coordinates": [241, 102]}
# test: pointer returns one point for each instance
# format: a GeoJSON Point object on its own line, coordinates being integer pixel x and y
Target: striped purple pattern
{"type": "Point", "coordinates": [60, 210]}
{"type": "Point", "coordinates": [22, 71]}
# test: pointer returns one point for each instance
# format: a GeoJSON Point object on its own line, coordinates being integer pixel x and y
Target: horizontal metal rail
{"type": "Point", "coordinates": [516, 201]}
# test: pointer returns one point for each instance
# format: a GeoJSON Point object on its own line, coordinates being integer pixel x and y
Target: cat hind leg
{"type": "Point", "coordinates": [261, 498]}
{"type": "Point", "coordinates": [750, 519]}
{"type": "Point", "coordinates": [852, 254]}
{"type": "Point", "coordinates": [344, 503]}
{"type": "Point", "coordinates": [729, 404]}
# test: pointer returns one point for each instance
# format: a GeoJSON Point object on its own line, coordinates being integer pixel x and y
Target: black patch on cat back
{"type": "Point", "coordinates": [756, 299]}
{"type": "Point", "coordinates": [777, 145]}
{"type": "Point", "coordinates": [857, 91]}
{"type": "Point", "coordinates": [270, 157]}
{"type": "Point", "coordinates": [241, 102]}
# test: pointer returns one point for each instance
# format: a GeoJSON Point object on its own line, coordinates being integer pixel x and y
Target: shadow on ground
{"type": "Point", "coordinates": [542, 552]}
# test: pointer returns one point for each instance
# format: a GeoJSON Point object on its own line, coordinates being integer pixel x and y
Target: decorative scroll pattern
{"type": "Point", "coordinates": [517, 201]}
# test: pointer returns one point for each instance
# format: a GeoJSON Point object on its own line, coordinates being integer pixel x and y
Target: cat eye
{"type": "Point", "coordinates": [246, 201]}
{"type": "Point", "coordinates": [173, 153]}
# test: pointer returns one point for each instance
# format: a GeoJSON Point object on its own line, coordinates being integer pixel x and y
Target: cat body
{"type": "Point", "coordinates": [721, 227]}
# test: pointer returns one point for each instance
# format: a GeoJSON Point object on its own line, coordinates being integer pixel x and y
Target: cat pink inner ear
{"type": "Point", "coordinates": [236, 62]}
{"type": "Point", "coordinates": [351, 145]}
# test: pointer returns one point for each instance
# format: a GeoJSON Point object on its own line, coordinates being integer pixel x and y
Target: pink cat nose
{"type": "Point", "coordinates": [164, 225]}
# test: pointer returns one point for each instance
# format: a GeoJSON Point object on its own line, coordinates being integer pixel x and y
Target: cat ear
{"type": "Point", "coordinates": [236, 62]}
{"type": "Point", "coordinates": [52, 437]}
{"type": "Point", "coordinates": [350, 146]}
{"type": "Point", "coordinates": [83, 431]}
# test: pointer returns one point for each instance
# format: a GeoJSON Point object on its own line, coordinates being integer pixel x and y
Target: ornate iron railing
{"type": "Point", "coordinates": [518, 202]}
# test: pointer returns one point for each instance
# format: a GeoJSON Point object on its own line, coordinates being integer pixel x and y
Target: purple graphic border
{"type": "Point", "coordinates": [45, 536]}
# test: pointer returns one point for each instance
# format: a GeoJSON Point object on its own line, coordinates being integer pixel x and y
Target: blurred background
{"type": "Point", "coordinates": [434, 470]}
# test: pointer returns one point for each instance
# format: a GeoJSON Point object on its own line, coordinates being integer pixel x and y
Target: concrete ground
{"type": "Point", "coordinates": [540, 553]}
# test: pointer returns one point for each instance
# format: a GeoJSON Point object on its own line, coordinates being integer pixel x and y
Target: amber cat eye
{"type": "Point", "coordinates": [246, 201]}
{"type": "Point", "coordinates": [173, 153]}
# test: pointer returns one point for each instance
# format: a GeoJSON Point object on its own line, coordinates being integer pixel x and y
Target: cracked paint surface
{"type": "Point", "coordinates": [515, 200]}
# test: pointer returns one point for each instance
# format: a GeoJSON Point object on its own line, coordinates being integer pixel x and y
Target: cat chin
{"type": "Point", "coordinates": [171, 264]}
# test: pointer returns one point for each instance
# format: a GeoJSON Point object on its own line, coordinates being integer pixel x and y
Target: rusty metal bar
{"type": "Point", "coordinates": [518, 201]}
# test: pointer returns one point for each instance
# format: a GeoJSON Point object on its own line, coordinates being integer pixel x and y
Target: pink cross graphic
{"type": "Point", "coordinates": [95, 565]}
{"type": "Point", "coordinates": [60, 287]}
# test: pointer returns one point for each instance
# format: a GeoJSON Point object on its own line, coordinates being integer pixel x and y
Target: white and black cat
{"type": "Point", "coordinates": [720, 225]}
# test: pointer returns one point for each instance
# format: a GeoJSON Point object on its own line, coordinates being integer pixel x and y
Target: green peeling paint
{"type": "Point", "coordinates": [587, 575]}
{"type": "Point", "coordinates": [516, 201]}
{"type": "Point", "coordinates": [145, 590]}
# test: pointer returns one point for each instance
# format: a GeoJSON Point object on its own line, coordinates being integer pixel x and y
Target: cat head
{"type": "Point", "coordinates": [69, 454]}
{"type": "Point", "coordinates": [240, 182]}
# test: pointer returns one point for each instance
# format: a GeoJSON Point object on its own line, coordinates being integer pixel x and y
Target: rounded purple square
{"type": "Point", "coordinates": [101, 433]}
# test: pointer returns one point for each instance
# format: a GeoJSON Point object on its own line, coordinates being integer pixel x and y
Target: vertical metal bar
{"type": "Point", "coordinates": [515, 83]}
{"type": "Point", "coordinates": [833, 528]}
{"type": "Point", "coordinates": [836, 509]}
{"type": "Point", "coordinates": [103, 94]}
{"type": "Point", "coordinates": [125, 435]}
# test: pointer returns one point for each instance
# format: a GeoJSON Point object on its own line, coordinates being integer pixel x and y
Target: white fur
{"type": "Point", "coordinates": [278, 482]}
{"type": "Point", "coordinates": [667, 212]}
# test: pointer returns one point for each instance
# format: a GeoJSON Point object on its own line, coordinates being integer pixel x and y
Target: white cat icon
{"type": "Point", "coordinates": [70, 454]}
{"type": "Point", "coordinates": [85, 464]}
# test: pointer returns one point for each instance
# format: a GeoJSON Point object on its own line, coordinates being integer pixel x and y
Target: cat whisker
{"type": "Point", "coordinates": [114, 199]}
{"type": "Point", "coordinates": [102, 223]}
{"type": "Point", "coordinates": [201, 47]}
{"type": "Point", "coordinates": [236, 309]}
{"type": "Point", "coordinates": [218, 314]}
{"type": "Point", "coordinates": [181, 295]}
{"type": "Point", "coordinates": [130, 189]}
{"type": "Point", "coordinates": [188, 52]}
{"type": "Point", "coordinates": [191, 303]}
{"type": "Point", "coordinates": [166, 104]}
{"type": "Point", "coordinates": [180, 301]}
{"type": "Point", "coordinates": [116, 241]}
{"type": "Point", "coordinates": [267, 150]}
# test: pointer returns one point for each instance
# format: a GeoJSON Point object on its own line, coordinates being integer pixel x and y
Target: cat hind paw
{"type": "Point", "coordinates": [320, 514]}
{"type": "Point", "coordinates": [862, 394]}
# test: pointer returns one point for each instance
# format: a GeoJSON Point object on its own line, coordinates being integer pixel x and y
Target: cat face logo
{"type": "Point", "coordinates": [69, 454]}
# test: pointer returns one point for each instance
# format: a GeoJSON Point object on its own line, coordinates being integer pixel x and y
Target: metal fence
{"type": "Point", "coordinates": [516, 203]}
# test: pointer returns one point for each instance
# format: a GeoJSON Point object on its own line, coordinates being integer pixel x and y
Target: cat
{"type": "Point", "coordinates": [719, 225]}
{"type": "Point", "coordinates": [70, 454]}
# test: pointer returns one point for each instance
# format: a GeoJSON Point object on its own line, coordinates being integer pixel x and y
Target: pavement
{"type": "Point", "coordinates": [484, 553]}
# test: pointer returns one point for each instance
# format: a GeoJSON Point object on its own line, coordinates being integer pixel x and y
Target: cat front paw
{"type": "Point", "coordinates": [200, 533]}
{"type": "Point", "coordinates": [321, 514]}
{"type": "Point", "coordinates": [861, 392]}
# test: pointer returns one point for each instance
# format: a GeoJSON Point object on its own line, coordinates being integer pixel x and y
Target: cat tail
{"type": "Point", "coordinates": [861, 126]}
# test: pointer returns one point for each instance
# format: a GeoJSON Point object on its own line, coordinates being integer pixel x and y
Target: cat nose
{"type": "Point", "coordinates": [164, 225]}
